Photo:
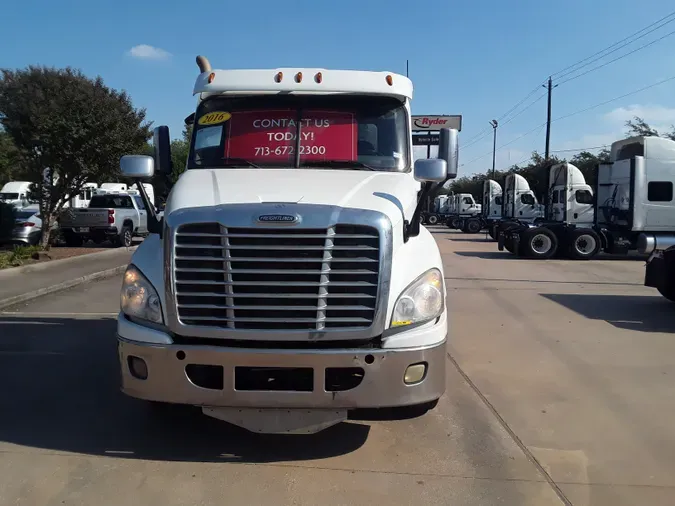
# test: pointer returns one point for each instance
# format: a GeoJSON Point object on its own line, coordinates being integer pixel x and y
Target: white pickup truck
{"type": "Point", "coordinates": [290, 280]}
{"type": "Point", "coordinates": [117, 216]}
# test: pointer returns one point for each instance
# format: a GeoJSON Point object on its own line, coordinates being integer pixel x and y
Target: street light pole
{"type": "Point", "coordinates": [494, 144]}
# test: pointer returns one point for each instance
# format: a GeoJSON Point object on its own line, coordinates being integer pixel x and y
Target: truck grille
{"type": "Point", "coordinates": [276, 279]}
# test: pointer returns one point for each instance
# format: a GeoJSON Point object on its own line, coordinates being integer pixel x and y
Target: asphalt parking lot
{"type": "Point", "coordinates": [559, 391]}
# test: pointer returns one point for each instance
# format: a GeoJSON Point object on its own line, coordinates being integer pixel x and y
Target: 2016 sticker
{"type": "Point", "coordinates": [213, 118]}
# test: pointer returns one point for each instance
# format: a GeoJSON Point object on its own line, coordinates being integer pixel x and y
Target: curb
{"type": "Point", "coordinates": [63, 261]}
{"type": "Point", "coordinates": [24, 297]}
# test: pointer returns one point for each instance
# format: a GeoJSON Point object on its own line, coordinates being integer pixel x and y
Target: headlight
{"type": "Point", "coordinates": [139, 298]}
{"type": "Point", "coordinates": [422, 301]}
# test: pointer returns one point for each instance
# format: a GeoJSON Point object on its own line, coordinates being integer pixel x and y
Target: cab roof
{"type": "Point", "coordinates": [302, 81]}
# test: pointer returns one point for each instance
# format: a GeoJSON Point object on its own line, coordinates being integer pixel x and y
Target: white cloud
{"type": "Point", "coordinates": [655, 115]}
{"type": "Point", "coordinates": [146, 52]}
{"type": "Point", "coordinates": [613, 125]}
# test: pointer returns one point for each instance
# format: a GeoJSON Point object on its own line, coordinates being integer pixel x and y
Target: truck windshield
{"type": "Point", "coordinates": [9, 196]}
{"type": "Point", "coordinates": [327, 131]}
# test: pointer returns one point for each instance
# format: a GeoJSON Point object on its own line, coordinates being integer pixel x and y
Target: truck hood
{"type": "Point", "coordinates": [394, 194]}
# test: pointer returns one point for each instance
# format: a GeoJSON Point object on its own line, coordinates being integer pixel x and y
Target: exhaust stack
{"type": "Point", "coordinates": [203, 64]}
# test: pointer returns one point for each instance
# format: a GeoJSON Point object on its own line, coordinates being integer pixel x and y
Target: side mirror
{"type": "Point", "coordinates": [431, 170]}
{"type": "Point", "coordinates": [162, 146]}
{"type": "Point", "coordinates": [137, 166]}
{"type": "Point", "coordinates": [448, 150]}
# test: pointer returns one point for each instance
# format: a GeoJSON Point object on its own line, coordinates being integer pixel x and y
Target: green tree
{"type": "Point", "coordinates": [9, 159]}
{"type": "Point", "coordinates": [68, 129]}
{"type": "Point", "coordinates": [639, 127]}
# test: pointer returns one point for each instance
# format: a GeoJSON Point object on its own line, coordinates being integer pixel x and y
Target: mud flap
{"type": "Point", "coordinates": [656, 272]}
{"type": "Point", "coordinates": [515, 241]}
{"type": "Point", "coordinates": [500, 241]}
{"type": "Point", "coordinates": [279, 421]}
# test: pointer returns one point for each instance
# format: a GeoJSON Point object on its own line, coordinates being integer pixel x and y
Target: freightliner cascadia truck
{"type": "Point", "coordinates": [289, 280]}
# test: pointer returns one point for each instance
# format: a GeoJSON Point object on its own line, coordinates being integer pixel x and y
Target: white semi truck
{"type": "Point", "coordinates": [465, 214]}
{"type": "Point", "coordinates": [16, 193]}
{"type": "Point", "coordinates": [493, 198]}
{"type": "Point", "coordinates": [519, 206]}
{"type": "Point", "coordinates": [289, 280]}
{"type": "Point", "coordinates": [630, 209]}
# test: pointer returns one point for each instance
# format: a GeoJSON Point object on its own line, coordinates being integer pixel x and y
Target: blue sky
{"type": "Point", "coordinates": [477, 59]}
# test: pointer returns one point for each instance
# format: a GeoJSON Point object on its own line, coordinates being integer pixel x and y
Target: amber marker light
{"type": "Point", "coordinates": [318, 77]}
{"type": "Point", "coordinates": [390, 80]}
{"type": "Point", "coordinates": [279, 77]}
{"type": "Point", "coordinates": [298, 77]}
{"type": "Point", "coordinates": [212, 76]}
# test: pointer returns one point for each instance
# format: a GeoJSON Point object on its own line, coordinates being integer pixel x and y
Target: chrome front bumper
{"type": "Point", "coordinates": [382, 383]}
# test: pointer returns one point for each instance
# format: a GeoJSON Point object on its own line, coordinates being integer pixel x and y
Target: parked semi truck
{"type": "Point", "coordinates": [519, 206]}
{"type": "Point", "coordinates": [16, 193]}
{"type": "Point", "coordinates": [290, 280]}
{"type": "Point", "coordinates": [631, 199]}
{"type": "Point", "coordinates": [439, 208]}
{"type": "Point", "coordinates": [464, 210]}
{"type": "Point", "coordinates": [493, 199]}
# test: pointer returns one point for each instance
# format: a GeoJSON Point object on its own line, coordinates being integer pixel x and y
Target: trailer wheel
{"type": "Point", "coordinates": [584, 244]}
{"type": "Point", "coordinates": [432, 219]}
{"type": "Point", "coordinates": [472, 226]}
{"type": "Point", "coordinates": [539, 243]}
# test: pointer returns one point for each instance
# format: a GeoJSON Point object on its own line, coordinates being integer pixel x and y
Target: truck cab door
{"type": "Point", "coordinates": [559, 204]}
{"type": "Point", "coordinates": [526, 205]}
{"type": "Point", "coordinates": [581, 208]}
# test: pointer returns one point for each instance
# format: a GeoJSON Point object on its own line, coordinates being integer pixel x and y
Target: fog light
{"type": "Point", "coordinates": [137, 367]}
{"type": "Point", "coordinates": [415, 373]}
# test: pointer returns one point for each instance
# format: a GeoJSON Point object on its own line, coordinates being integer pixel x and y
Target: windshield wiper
{"type": "Point", "coordinates": [351, 164]}
{"type": "Point", "coordinates": [233, 162]}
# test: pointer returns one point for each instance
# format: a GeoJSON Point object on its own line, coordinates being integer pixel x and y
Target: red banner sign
{"type": "Point", "coordinates": [270, 135]}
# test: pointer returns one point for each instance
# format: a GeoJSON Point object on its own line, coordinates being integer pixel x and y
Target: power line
{"type": "Point", "coordinates": [538, 127]}
{"type": "Point", "coordinates": [614, 99]}
{"type": "Point", "coordinates": [523, 110]}
{"type": "Point", "coordinates": [556, 74]}
{"type": "Point", "coordinates": [618, 58]}
{"type": "Point", "coordinates": [579, 149]}
{"type": "Point", "coordinates": [573, 114]}
{"type": "Point", "coordinates": [481, 135]}
{"type": "Point", "coordinates": [615, 50]}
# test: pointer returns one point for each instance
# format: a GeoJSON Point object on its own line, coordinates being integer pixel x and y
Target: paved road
{"type": "Point", "coordinates": [559, 389]}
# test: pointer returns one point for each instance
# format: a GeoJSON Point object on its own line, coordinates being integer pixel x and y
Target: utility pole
{"type": "Point", "coordinates": [548, 116]}
{"type": "Point", "coordinates": [494, 145]}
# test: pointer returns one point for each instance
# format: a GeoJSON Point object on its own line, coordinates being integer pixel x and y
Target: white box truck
{"type": "Point", "coordinates": [289, 280]}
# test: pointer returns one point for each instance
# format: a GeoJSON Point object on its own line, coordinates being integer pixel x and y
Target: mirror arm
{"type": "Point", "coordinates": [412, 228]}
{"type": "Point", "coordinates": [154, 225]}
